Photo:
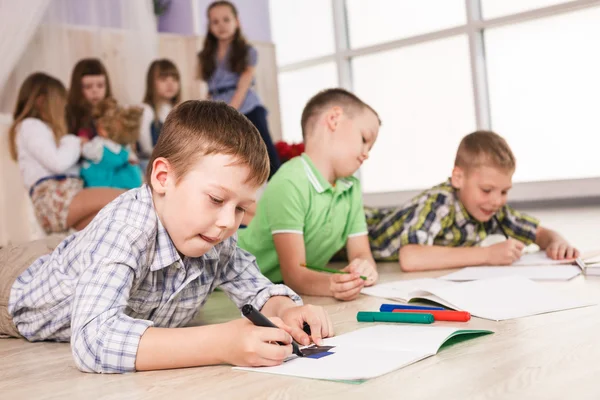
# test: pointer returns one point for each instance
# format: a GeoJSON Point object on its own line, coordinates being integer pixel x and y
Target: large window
{"type": "Point", "coordinates": [374, 21]}
{"type": "Point", "coordinates": [500, 8]}
{"type": "Point", "coordinates": [544, 79]}
{"type": "Point", "coordinates": [406, 86]}
{"type": "Point", "coordinates": [295, 89]}
{"type": "Point", "coordinates": [435, 70]}
{"type": "Point", "coordinates": [295, 24]}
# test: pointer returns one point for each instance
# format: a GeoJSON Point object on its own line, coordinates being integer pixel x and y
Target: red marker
{"type": "Point", "coordinates": [457, 316]}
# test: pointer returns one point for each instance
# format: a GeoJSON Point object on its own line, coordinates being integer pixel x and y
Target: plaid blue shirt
{"type": "Point", "coordinates": [103, 287]}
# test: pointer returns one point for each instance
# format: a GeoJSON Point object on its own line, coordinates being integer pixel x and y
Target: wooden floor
{"type": "Point", "coordinates": [551, 356]}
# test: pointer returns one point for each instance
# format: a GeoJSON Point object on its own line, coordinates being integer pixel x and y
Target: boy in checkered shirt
{"type": "Point", "coordinates": [146, 264]}
{"type": "Point", "coordinates": [441, 227]}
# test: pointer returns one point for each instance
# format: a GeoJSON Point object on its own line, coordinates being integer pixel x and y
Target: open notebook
{"type": "Point", "coordinates": [534, 272]}
{"type": "Point", "coordinates": [496, 299]}
{"type": "Point", "coordinates": [540, 258]}
{"type": "Point", "coordinates": [536, 266]}
{"type": "Point", "coordinates": [593, 270]}
{"type": "Point", "coordinates": [370, 352]}
{"type": "Point", "coordinates": [592, 265]}
{"type": "Point", "coordinates": [401, 290]}
{"type": "Point", "coordinates": [590, 259]}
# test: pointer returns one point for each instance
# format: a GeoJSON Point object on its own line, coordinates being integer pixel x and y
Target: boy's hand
{"type": "Point", "coordinates": [561, 250]}
{"type": "Point", "coordinates": [316, 317]}
{"type": "Point", "coordinates": [367, 269]}
{"type": "Point", "coordinates": [247, 345]}
{"type": "Point", "coordinates": [346, 286]}
{"type": "Point", "coordinates": [505, 253]}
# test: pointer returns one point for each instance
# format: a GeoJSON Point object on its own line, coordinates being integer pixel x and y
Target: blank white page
{"type": "Point", "coordinates": [400, 290]}
{"type": "Point", "coordinates": [346, 364]}
{"type": "Point", "coordinates": [539, 258]}
{"type": "Point", "coordinates": [536, 273]}
{"type": "Point", "coordinates": [367, 353]}
{"type": "Point", "coordinates": [502, 298]}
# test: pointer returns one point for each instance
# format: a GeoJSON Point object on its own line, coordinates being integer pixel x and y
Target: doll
{"type": "Point", "coordinates": [109, 160]}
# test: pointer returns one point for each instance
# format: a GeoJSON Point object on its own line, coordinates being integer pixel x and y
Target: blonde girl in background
{"type": "Point", "coordinates": [48, 158]}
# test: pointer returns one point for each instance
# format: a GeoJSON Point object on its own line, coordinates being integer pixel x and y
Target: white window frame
{"type": "Point", "coordinates": [570, 190]}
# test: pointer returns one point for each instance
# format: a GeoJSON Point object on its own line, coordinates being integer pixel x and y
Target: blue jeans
{"type": "Point", "coordinates": [258, 116]}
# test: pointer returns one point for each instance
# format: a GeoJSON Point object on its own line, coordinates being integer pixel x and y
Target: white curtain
{"type": "Point", "coordinates": [51, 36]}
{"type": "Point", "coordinates": [19, 20]}
{"type": "Point", "coordinates": [138, 19]}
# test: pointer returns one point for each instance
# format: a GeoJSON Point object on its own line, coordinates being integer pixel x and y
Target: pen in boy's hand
{"type": "Point", "coordinates": [258, 319]}
{"type": "Point", "coordinates": [330, 270]}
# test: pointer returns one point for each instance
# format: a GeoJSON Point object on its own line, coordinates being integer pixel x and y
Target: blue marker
{"type": "Point", "coordinates": [392, 307]}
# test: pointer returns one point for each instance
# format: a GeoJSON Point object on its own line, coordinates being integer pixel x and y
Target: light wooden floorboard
{"type": "Point", "coordinates": [550, 356]}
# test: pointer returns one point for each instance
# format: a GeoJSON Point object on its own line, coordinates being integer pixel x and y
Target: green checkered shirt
{"type": "Point", "coordinates": [437, 217]}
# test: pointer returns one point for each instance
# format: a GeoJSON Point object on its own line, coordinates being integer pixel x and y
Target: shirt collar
{"type": "Point", "coordinates": [110, 144]}
{"type": "Point", "coordinates": [462, 216]}
{"type": "Point", "coordinates": [318, 180]}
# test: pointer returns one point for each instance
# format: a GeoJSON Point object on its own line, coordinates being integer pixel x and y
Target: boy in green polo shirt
{"type": "Point", "coordinates": [313, 206]}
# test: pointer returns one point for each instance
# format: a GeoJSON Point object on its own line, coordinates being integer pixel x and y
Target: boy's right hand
{"type": "Point", "coordinates": [248, 345]}
{"type": "Point", "coordinates": [346, 286]}
{"type": "Point", "coordinates": [505, 253]}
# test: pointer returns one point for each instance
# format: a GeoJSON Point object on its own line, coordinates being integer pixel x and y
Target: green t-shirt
{"type": "Point", "coordinates": [298, 199]}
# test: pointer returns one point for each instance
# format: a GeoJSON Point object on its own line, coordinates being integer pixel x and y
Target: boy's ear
{"type": "Point", "coordinates": [332, 118]}
{"type": "Point", "coordinates": [458, 177]}
{"type": "Point", "coordinates": [161, 175]}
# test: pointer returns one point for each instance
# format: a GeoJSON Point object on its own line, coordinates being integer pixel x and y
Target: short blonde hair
{"type": "Point", "coordinates": [320, 102]}
{"type": "Point", "coordinates": [198, 128]}
{"type": "Point", "coordinates": [485, 148]}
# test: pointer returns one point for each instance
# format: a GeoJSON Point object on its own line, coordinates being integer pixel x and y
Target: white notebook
{"type": "Point", "coordinates": [540, 258]}
{"type": "Point", "coordinates": [496, 299]}
{"type": "Point", "coordinates": [592, 269]}
{"type": "Point", "coordinates": [536, 273]}
{"type": "Point", "coordinates": [401, 290]}
{"type": "Point", "coordinates": [369, 352]}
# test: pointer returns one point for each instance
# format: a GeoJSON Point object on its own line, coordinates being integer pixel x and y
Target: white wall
{"type": "Point", "coordinates": [579, 225]}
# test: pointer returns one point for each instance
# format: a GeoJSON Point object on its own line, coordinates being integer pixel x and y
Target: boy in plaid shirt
{"type": "Point", "coordinates": [147, 262]}
{"type": "Point", "coordinates": [442, 227]}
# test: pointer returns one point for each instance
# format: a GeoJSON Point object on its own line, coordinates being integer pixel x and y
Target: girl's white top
{"type": "Point", "coordinates": [145, 140]}
{"type": "Point", "coordinates": [38, 154]}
